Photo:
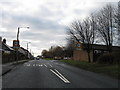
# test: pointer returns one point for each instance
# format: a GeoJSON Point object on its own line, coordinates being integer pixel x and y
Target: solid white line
{"type": "Point", "coordinates": [45, 65]}
{"type": "Point", "coordinates": [59, 76]}
{"type": "Point", "coordinates": [62, 75]}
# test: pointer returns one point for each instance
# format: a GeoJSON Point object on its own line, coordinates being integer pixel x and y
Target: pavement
{"type": "Point", "coordinates": [54, 74]}
{"type": "Point", "coordinates": [9, 66]}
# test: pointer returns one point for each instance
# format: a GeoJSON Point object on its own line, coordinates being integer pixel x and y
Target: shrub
{"type": "Point", "coordinates": [110, 58]}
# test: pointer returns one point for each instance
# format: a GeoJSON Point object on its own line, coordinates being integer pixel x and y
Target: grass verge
{"type": "Point", "coordinates": [105, 69]}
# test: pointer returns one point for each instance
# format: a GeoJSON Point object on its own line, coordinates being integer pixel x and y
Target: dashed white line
{"type": "Point", "coordinates": [28, 65]}
{"type": "Point", "coordinates": [59, 75]}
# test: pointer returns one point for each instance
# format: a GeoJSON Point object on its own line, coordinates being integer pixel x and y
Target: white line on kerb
{"type": "Point", "coordinates": [64, 79]}
{"type": "Point", "coordinates": [45, 65]}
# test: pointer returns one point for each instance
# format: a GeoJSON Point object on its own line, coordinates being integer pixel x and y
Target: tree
{"type": "Point", "coordinates": [117, 19]}
{"type": "Point", "coordinates": [83, 31]}
{"type": "Point", "coordinates": [44, 53]}
{"type": "Point", "coordinates": [105, 25]}
{"type": "Point", "coordinates": [68, 52]}
{"type": "Point", "coordinates": [58, 51]}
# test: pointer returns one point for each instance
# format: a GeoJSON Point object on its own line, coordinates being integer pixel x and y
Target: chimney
{"type": "Point", "coordinates": [4, 40]}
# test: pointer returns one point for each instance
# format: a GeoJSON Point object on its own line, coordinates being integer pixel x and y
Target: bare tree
{"type": "Point", "coordinates": [70, 47]}
{"type": "Point", "coordinates": [118, 22]}
{"type": "Point", "coordinates": [83, 31]}
{"type": "Point", "coordinates": [105, 24]}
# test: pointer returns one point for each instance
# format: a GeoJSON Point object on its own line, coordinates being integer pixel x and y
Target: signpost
{"type": "Point", "coordinates": [16, 46]}
{"type": "Point", "coordinates": [79, 46]}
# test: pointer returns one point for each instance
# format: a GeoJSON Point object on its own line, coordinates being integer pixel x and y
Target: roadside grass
{"type": "Point", "coordinates": [105, 69]}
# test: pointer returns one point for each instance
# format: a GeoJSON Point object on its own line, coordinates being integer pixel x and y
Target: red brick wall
{"type": "Point", "coordinates": [81, 55]}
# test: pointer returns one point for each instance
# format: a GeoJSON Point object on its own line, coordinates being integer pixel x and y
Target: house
{"type": "Point", "coordinates": [7, 52]}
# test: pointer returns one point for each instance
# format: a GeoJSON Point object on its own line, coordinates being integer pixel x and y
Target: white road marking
{"type": "Point", "coordinates": [61, 75]}
{"type": "Point", "coordinates": [28, 65]}
{"type": "Point", "coordinates": [33, 64]}
{"type": "Point", "coordinates": [51, 65]}
{"type": "Point", "coordinates": [40, 65]}
{"type": "Point", "coordinates": [45, 65]}
{"type": "Point", "coordinates": [65, 80]}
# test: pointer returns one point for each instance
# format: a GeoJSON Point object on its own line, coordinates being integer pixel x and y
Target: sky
{"type": "Point", "coordinates": [47, 19]}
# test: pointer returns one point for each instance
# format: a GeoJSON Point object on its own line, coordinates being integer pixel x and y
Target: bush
{"type": "Point", "coordinates": [110, 58]}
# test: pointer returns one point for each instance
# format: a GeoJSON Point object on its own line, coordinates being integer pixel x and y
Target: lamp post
{"type": "Point", "coordinates": [27, 48]}
{"type": "Point", "coordinates": [19, 31]}
{"type": "Point", "coordinates": [17, 43]}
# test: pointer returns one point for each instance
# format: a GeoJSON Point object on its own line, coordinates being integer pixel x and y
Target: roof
{"type": "Point", "coordinates": [22, 50]}
{"type": "Point", "coordinates": [6, 47]}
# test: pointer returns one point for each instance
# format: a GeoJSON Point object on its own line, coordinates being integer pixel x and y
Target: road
{"type": "Point", "coordinates": [54, 74]}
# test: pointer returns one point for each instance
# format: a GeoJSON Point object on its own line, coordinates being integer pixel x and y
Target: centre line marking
{"type": "Point", "coordinates": [45, 65]}
{"type": "Point", "coordinates": [61, 75]}
{"type": "Point", "coordinates": [63, 79]}
{"type": "Point", "coordinates": [51, 65]}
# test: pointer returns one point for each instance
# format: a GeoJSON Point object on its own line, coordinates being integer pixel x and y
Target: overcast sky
{"type": "Point", "coordinates": [47, 20]}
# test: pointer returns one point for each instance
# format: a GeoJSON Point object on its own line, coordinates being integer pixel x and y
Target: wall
{"type": "Point", "coordinates": [81, 55]}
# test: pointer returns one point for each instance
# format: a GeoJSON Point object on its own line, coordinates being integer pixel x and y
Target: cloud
{"type": "Point", "coordinates": [47, 20]}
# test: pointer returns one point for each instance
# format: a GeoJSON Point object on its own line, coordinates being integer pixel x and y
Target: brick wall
{"type": "Point", "coordinates": [81, 55]}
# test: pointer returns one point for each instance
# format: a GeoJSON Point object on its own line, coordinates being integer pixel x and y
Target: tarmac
{"type": "Point", "coordinates": [5, 68]}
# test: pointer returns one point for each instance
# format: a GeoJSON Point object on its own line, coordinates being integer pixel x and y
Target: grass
{"type": "Point", "coordinates": [105, 69]}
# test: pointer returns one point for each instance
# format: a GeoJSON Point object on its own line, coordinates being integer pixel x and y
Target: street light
{"type": "Point", "coordinates": [19, 31]}
{"type": "Point", "coordinates": [27, 48]}
{"type": "Point", "coordinates": [16, 43]}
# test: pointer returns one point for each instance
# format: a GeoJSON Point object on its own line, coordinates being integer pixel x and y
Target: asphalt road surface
{"type": "Point", "coordinates": [54, 74]}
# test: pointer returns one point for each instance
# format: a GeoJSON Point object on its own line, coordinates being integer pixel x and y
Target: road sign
{"type": "Point", "coordinates": [79, 45]}
{"type": "Point", "coordinates": [16, 44]}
